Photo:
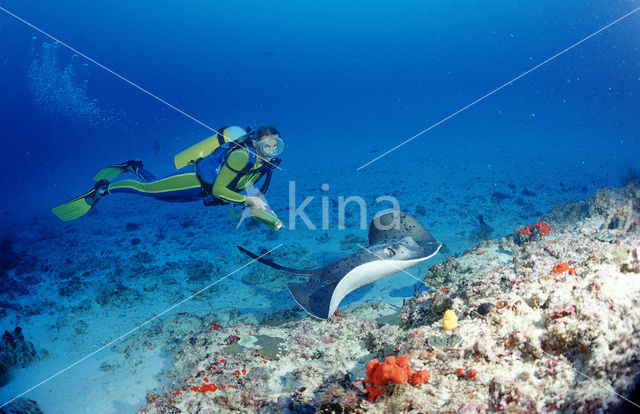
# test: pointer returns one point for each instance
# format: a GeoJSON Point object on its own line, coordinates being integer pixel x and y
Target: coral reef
{"type": "Point", "coordinates": [8, 257]}
{"type": "Point", "coordinates": [630, 177]}
{"type": "Point", "coordinates": [21, 406]}
{"type": "Point", "coordinates": [14, 350]}
{"type": "Point", "coordinates": [547, 321]}
{"type": "Point", "coordinates": [248, 367]}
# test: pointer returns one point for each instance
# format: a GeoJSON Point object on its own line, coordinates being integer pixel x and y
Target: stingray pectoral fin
{"type": "Point", "coordinates": [274, 265]}
{"type": "Point", "coordinates": [314, 297]}
{"type": "Point", "coordinates": [322, 294]}
{"type": "Point", "coordinates": [431, 248]}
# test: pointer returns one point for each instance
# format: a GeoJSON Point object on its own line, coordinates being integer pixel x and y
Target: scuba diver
{"type": "Point", "coordinates": [214, 171]}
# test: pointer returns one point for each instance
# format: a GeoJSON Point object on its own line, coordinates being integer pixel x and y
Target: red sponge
{"type": "Point", "coordinates": [420, 377]}
{"type": "Point", "coordinates": [392, 371]}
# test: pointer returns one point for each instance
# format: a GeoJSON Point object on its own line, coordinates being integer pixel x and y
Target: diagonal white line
{"type": "Point", "coordinates": [475, 311]}
{"type": "Point", "coordinates": [497, 89]}
{"type": "Point", "coordinates": [135, 85]}
{"type": "Point", "coordinates": [138, 327]}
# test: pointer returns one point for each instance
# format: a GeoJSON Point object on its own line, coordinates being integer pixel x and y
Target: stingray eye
{"type": "Point", "coordinates": [389, 251]}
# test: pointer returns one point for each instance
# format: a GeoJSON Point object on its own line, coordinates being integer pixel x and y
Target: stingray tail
{"type": "Point", "coordinates": [274, 265]}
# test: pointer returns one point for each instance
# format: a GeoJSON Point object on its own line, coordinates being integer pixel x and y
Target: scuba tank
{"type": "Point", "coordinates": [207, 146]}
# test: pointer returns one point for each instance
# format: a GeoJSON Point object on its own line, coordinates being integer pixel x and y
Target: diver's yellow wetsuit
{"type": "Point", "coordinates": [230, 180]}
{"type": "Point", "coordinates": [189, 183]}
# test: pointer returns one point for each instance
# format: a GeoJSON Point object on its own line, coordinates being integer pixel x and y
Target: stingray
{"type": "Point", "coordinates": [397, 241]}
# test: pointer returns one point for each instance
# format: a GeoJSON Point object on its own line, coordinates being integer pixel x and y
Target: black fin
{"type": "Point", "coordinates": [313, 297]}
{"type": "Point", "coordinates": [274, 265]}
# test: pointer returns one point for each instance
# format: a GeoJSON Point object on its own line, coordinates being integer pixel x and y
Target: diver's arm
{"type": "Point", "coordinates": [237, 160]}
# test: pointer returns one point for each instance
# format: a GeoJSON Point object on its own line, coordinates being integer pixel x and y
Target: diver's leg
{"type": "Point", "coordinates": [81, 205]}
{"type": "Point", "coordinates": [183, 185]}
{"type": "Point", "coordinates": [112, 171]}
{"type": "Point", "coordinates": [135, 166]}
{"type": "Point", "coordinates": [144, 174]}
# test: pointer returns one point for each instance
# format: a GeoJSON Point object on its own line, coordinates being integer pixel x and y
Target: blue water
{"type": "Point", "coordinates": [343, 83]}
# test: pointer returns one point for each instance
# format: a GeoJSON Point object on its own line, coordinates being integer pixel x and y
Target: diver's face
{"type": "Point", "coordinates": [268, 146]}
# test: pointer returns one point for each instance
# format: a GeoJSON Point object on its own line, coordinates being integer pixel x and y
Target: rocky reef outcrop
{"type": "Point", "coordinates": [15, 351]}
{"type": "Point", "coordinates": [21, 406]}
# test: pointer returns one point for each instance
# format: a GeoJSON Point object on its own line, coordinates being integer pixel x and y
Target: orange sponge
{"type": "Point", "coordinates": [392, 371]}
{"type": "Point", "coordinates": [420, 377]}
{"type": "Point", "coordinates": [560, 268]}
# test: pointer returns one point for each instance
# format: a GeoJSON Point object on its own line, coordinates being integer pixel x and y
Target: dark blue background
{"type": "Point", "coordinates": [335, 77]}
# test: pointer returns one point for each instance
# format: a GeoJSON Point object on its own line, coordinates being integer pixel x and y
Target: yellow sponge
{"type": "Point", "coordinates": [449, 320]}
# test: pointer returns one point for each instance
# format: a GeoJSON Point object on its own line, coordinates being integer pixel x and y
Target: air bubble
{"type": "Point", "coordinates": [58, 89]}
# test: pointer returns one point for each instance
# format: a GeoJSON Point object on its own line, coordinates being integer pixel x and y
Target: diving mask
{"type": "Point", "coordinates": [271, 146]}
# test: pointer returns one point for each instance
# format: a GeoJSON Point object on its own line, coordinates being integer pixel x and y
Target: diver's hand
{"type": "Point", "coordinates": [256, 202]}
